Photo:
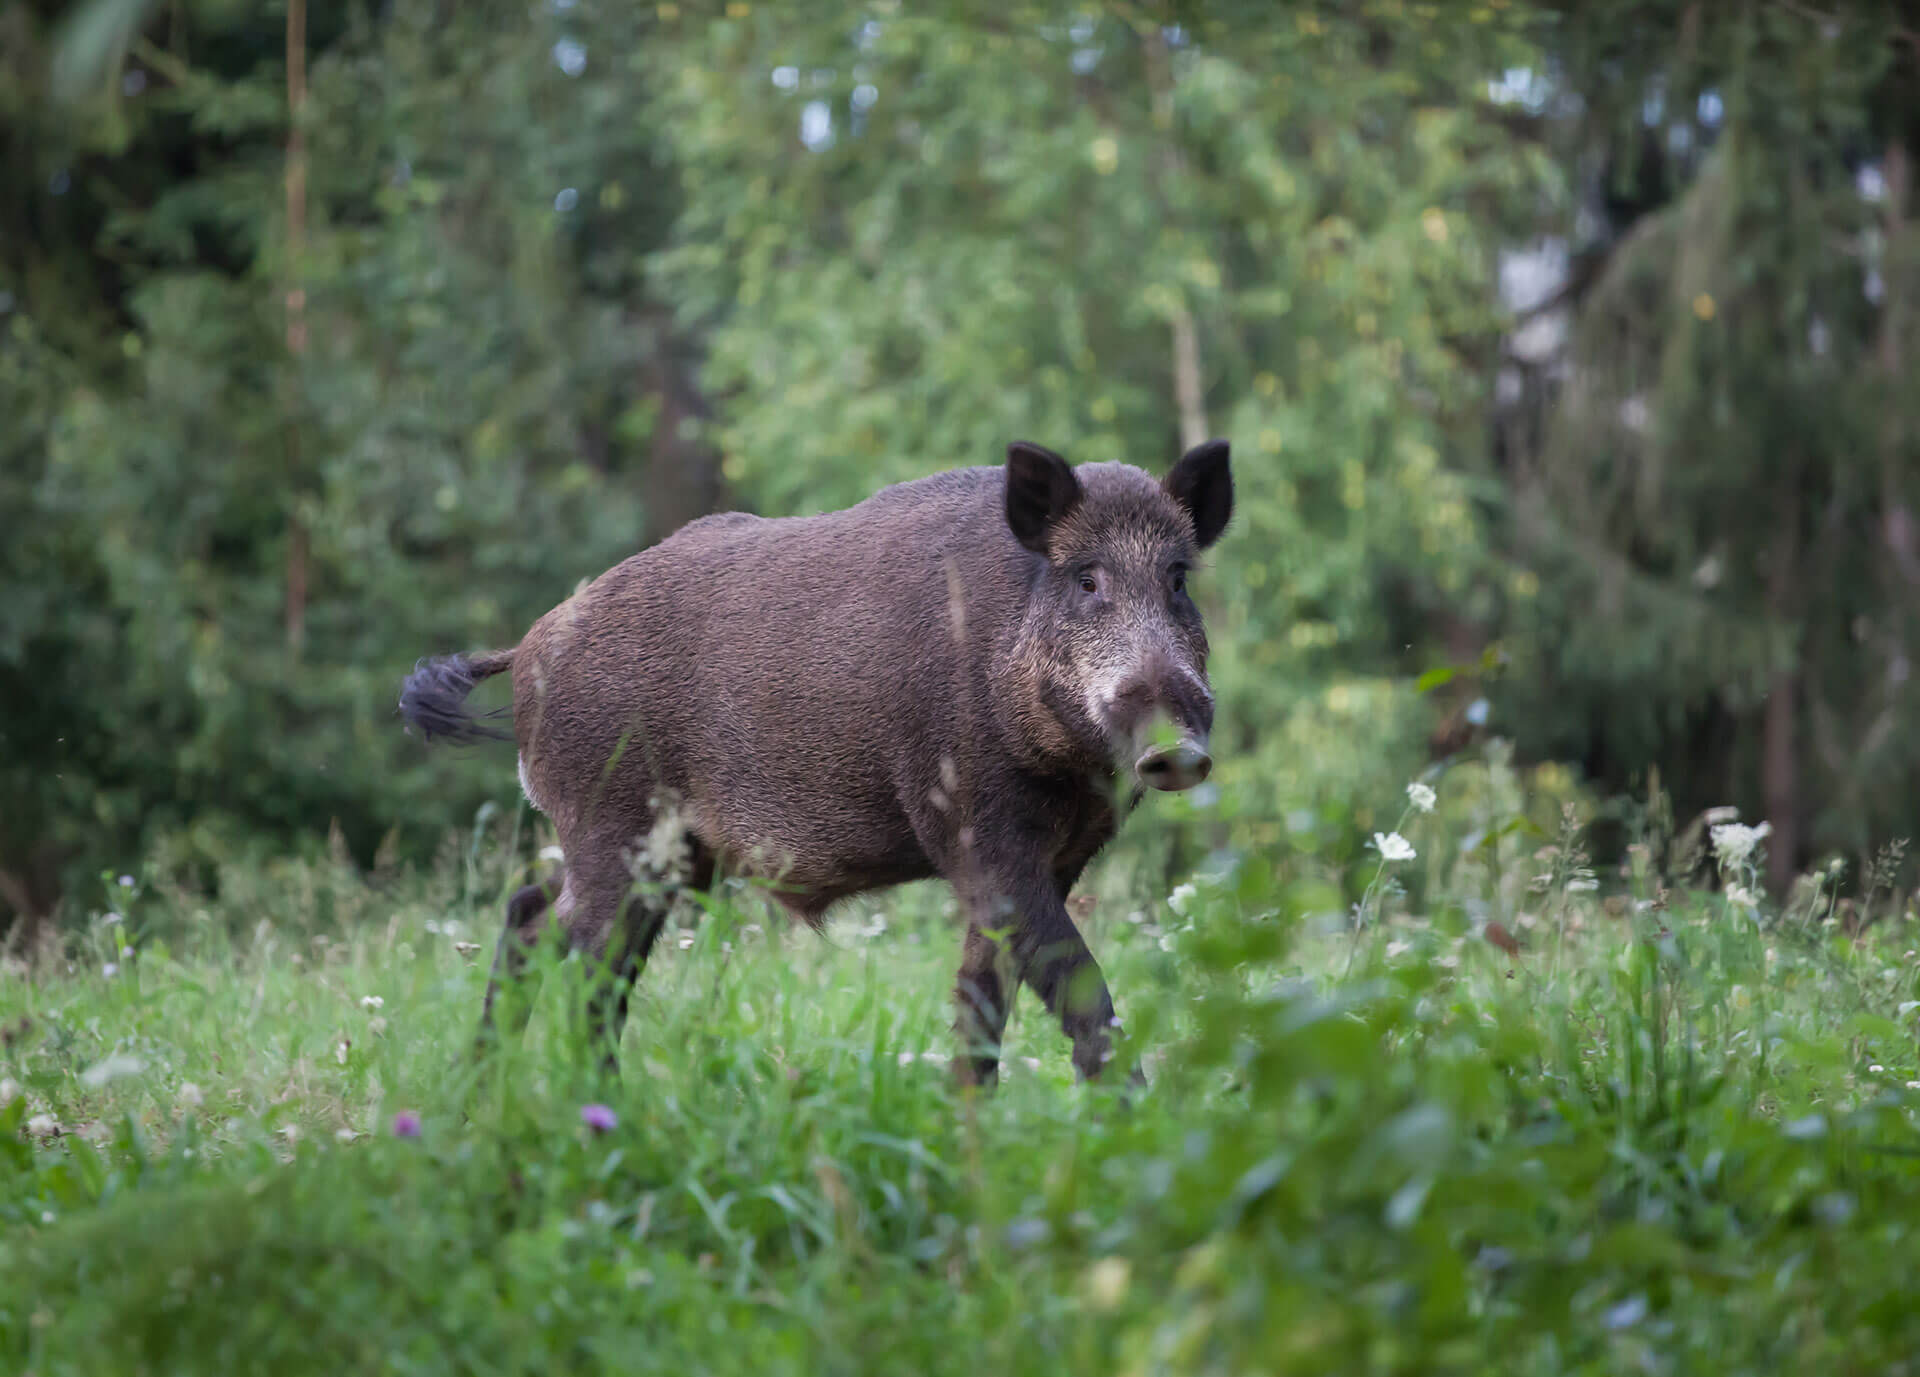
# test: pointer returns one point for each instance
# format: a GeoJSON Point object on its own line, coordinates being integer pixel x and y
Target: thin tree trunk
{"type": "Point", "coordinates": [27, 918]}
{"type": "Point", "coordinates": [1896, 518]}
{"type": "Point", "coordinates": [1780, 758]}
{"type": "Point", "coordinates": [296, 605]}
{"type": "Point", "coordinates": [1189, 392]}
{"type": "Point", "coordinates": [683, 479]}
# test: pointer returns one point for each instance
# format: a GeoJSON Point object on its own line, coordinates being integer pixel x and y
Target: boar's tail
{"type": "Point", "coordinates": [434, 697]}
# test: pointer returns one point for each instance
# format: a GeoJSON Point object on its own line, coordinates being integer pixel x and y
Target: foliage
{"type": "Point", "coordinates": [294, 399]}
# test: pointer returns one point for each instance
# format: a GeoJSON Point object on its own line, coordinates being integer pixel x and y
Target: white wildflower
{"type": "Point", "coordinates": [1733, 842]}
{"type": "Point", "coordinates": [126, 882]}
{"type": "Point", "coordinates": [189, 1095]}
{"type": "Point", "coordinates": [1421, 796]}
{"type": "Point", "coordinates": [1107, 1281]}
{"type": "Point", "coordinates": [1582, 886]}
{"type": "Point", "coordinates": [1393, 847]}
{"type": "Point", "coordinates": [114, 1067]}
{"type": "Point", "coordinates": [1741, 896]}
{"type": "Point", "coordinates": [1876, 1068]}
{"type": "Point", "coordinates": [377, 1025]}
{"type": "Point", "coordinates": [9, 1091]}
{"type": "Point", "coordinates": [1183, 895]}
{"type": "Point", "coordinates": [552, 853]}
{"type": "Point", "coordinates": [372, 1002]}
{"type": "Point", "coordinates": [110, 970]}
{"type": "Point", "coordinates": [43, 1126]}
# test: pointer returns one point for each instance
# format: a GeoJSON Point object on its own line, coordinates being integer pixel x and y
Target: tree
{"type": "Point", "coordinates": [1720, 502]}
{"type": "Point", "coordinates": [253, 530]}
{"type": "Point", "coordinates": [912, 236]}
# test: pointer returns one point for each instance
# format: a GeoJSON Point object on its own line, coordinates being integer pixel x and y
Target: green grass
{"type": "Point", "coordinates": [1675, 1141]}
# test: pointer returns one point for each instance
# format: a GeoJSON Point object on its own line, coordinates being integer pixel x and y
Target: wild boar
{"type": "Point", "coordinates": [971, 676]}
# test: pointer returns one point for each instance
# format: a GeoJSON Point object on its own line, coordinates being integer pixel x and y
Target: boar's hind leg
{"type": "Point", "coordinates": [615, 926]}
{"type": "Point", "coordinates": [983, 996]}
{"type": "Point", "coordinates": [526, 915]}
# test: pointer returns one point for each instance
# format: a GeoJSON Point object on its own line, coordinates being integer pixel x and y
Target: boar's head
{"type": "Point", "coordinates": [1111, 643]}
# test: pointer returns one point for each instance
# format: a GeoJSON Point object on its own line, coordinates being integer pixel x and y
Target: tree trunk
{"type": "Point", "coordinates": [1189, 391]}
{"type": "Point", "coordinates": [683, 479]}
{"type": "Point", "coordinates": [25, 932]}
{"type": "Point", "coordinates": [296, 604]}
{"type": "Point", "coordinates": [1780, 760]}
{"type": "Point", "coordinates": [1897, 520]}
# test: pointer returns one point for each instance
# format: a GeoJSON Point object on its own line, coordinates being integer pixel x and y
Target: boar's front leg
{"type": "Point", "coordinates": [1051, 957]}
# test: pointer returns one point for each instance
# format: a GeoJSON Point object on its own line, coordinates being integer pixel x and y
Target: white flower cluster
{"type": "Point", "coordinates": [1421, 796]}
{"type": "Point", "coordinates": [1734, 842]}
{"type": "Point", "coordinates": [1393, 847]}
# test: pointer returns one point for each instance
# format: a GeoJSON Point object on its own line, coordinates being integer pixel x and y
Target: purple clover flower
{"type": "Point", "coordinates": [406, 1124]}
{"type": "Point", "coordinates": [598, 1117]}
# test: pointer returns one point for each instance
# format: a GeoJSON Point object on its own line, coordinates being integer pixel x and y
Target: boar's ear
{"type": "Point", "coordinates": [1203, 484]}
{"type": "Point", "coordinates": [1041, 490]}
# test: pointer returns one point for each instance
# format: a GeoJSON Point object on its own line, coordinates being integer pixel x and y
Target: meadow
{"type": "Point", "coordinates": [1510, 1113]}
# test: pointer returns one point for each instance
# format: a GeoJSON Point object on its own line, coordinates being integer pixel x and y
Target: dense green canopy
{"type": "Point", "coordinates": [1572, 342]}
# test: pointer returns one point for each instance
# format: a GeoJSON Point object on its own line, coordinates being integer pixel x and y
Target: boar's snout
{"type": "Point", "coordinates": [1160, 719]}
{"type": "Point", "coordinates": [1176, 767]}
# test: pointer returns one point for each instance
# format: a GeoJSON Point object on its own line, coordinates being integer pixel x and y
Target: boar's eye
{"type": "Point", "coordinates": [1089, 581]}
{"type": "Point", "coordinates": [1177, 576]}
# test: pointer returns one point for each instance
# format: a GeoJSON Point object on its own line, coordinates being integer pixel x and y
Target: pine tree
{"type": "Point", "coordinates": [1720, 496]}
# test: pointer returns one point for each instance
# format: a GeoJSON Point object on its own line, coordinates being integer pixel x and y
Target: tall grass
{"type": "Point", "coordinates": [1669, 1133]}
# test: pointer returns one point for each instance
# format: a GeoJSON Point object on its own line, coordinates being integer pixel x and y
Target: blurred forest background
{"type": "Point", "coordinates": [1570, 354]}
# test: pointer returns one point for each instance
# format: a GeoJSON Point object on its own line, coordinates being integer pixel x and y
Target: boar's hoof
{"type": "Point", "coordinates": [1174, 767]}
